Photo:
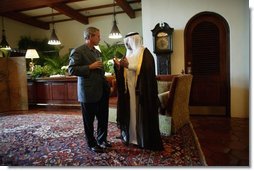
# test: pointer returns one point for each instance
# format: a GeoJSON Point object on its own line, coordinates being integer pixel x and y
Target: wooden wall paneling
{"type": "Point", "coordinates": [13, 84]}
{"type": "Point", "coordinates": [4, 90]}
{"type": "Point", "coordinates": [17, 83]}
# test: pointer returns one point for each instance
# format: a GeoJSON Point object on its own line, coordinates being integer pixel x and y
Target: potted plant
{"type": "Point", "coordinates": [108, 52]}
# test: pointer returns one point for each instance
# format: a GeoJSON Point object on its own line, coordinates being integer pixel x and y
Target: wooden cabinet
{"type": "Point", "coordinates": [58, 91]}
{"type": "Point", "coordinates": [31, 92]}
{"type": "Point", "coordinates": [43, 92]}
{"type": "Point", "coordinates": [72, 91]}
{"type": "Point", "coordinates": [53, 91]}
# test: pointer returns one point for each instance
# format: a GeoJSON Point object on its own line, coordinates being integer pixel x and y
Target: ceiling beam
{"type": "Point", "coordinates": [27, 20]}
{"type": "Point", "coordinates": [126, 7]}
{"type": "Point", "coordinates": [119, 12]}
{"type": "Point", "coordinates": [62, 8]}
{"type": "Point", "coordinates": [22, 5]}
{"type": "Point", "coordinates": [87, 9]}
{"type": "Point", "coordinates": [96, 15]}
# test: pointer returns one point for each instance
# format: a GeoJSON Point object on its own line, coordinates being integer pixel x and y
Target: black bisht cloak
{"type": "Point", "coordinates": [147, 121]}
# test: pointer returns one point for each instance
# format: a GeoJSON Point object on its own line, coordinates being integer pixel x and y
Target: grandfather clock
{"type": "Point", "coordinates": [163, 47]}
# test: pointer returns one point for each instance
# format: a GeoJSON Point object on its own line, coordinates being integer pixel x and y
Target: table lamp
{"type": "Point", "coordinates": [31, 54]}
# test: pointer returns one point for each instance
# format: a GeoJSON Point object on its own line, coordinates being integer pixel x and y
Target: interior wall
{"type": "Point", "coordinates": [251, 4]}
{"type": "Point", "coordinates": [14, 30]}
{"type": "Point", "coordinates": [177, 14]}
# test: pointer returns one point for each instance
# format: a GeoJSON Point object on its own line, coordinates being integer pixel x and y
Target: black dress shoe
{"type": "Point", "coordinates": [105, 144]}
{"type": "Point", "coordinates": [96, 149]}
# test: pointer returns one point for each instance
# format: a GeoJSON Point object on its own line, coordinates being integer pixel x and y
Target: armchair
{"type": "Point", "coordinates": [174, 103]}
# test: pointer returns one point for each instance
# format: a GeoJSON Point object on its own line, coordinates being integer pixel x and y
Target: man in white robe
{"type": "Point", "coordinates": [137, 110]}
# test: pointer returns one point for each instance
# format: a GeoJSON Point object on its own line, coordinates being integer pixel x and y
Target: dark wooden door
{"type": "Point", "coordinates": [206, 38]}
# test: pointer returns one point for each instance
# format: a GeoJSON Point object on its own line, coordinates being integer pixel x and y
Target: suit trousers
{"type": "Point", "coordinates": [100, 111]}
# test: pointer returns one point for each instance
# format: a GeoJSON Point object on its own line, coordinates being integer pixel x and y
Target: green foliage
{"type": "Point", "coordinates": [108, 52]}
{"type": "Point", "coordinates": [50, 62]}
{"type": "Point", "coordinates": [57, 62]}
{"type": "Point", "coordinates": [41, 45]}
{"type": "Point", "coordinates": [109, 67]}
{"type": "Point", "coordinates": [52, 66]}
{"type": "Point", "coordinates": [47, 70]}
{"type": "Point", "coordinates": [40, 71]}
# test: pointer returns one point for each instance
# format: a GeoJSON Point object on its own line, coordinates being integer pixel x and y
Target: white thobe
{"type": "Point", "coordinates": [131, 83]}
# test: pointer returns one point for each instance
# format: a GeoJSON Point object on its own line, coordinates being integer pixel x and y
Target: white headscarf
{"type": "Point", "coordinates": [133, 42]}
{"type": "Point", "coordinates": [134, 54]}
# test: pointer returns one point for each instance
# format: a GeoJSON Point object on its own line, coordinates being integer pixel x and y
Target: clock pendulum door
{"type": "Point", "coordinates": [163, 64]}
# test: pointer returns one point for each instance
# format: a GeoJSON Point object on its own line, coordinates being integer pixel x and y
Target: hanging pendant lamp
{"type": "Point", "coordinates": [4, 44]}
{"type": "Point", "coordinates": [115, 33]}
{"type": "Point", "coordinates": [53, 38]}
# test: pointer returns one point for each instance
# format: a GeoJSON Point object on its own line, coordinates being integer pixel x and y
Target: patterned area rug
{"type": "Point", "coordinates": [58, 140]}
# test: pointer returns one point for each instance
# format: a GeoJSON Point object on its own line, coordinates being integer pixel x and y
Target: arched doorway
{"type": "Point", "coordinates": [206, 38]}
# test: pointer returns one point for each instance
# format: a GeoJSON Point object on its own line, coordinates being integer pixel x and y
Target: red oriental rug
{"type": "Point", "coordinates": [58, 140]}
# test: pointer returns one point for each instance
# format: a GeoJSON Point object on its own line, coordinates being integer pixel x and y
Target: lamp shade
{"type": "Point", "coordinates": [53, 38]}
{"type": "Point", "coordinates": [31, 54]}
{"type": "Point", "coordinates": [115, 33]}
{"type": "Point", "coordinates": [4, 44]}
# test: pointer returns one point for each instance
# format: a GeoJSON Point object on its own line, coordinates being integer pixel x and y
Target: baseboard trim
{"type": "Point", "coordinates": [208, 110]}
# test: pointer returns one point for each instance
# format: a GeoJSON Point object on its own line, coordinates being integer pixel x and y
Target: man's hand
{"type": "Point", "coordinates": [124, 62]}
{"type": "Point", "coordinates": [116, 63]}
{"type": "Point", "coordinates": [96, 65]}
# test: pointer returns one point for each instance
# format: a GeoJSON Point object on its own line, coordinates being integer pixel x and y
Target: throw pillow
{"type": "Point", "coordinates": [163, 86]}
{"type": "Point", "coordinates": [163, 97]}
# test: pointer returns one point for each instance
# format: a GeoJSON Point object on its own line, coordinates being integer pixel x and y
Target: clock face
{"type": "Point", "coordinates": [162, 41]}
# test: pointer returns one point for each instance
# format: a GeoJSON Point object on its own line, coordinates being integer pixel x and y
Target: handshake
{"type": "Point", "coordinates": [121, 62]}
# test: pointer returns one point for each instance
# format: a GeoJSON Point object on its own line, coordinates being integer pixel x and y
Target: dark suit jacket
{"type": "Point", "coordinates": [90, 82]}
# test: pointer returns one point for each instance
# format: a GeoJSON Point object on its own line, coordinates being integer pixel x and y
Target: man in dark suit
{"type": "Point", "coordinates": [93, 88]}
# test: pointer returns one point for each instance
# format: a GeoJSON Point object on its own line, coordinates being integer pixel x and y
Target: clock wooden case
{"type": "Point", "coordinates": [163, 38]}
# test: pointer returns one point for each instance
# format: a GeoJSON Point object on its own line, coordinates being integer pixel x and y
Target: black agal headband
{"type": "Point", "coordinates": [131, 34]}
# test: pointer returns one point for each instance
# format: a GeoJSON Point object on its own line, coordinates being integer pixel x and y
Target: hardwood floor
{"type": "Point", "coordinates": [224, 141]}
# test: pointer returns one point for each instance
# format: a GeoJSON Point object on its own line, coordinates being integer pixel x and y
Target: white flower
{"type": "Point", "coordinates": [65, 67]}
{"type": "Point", "coordinates": [110, 62]}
